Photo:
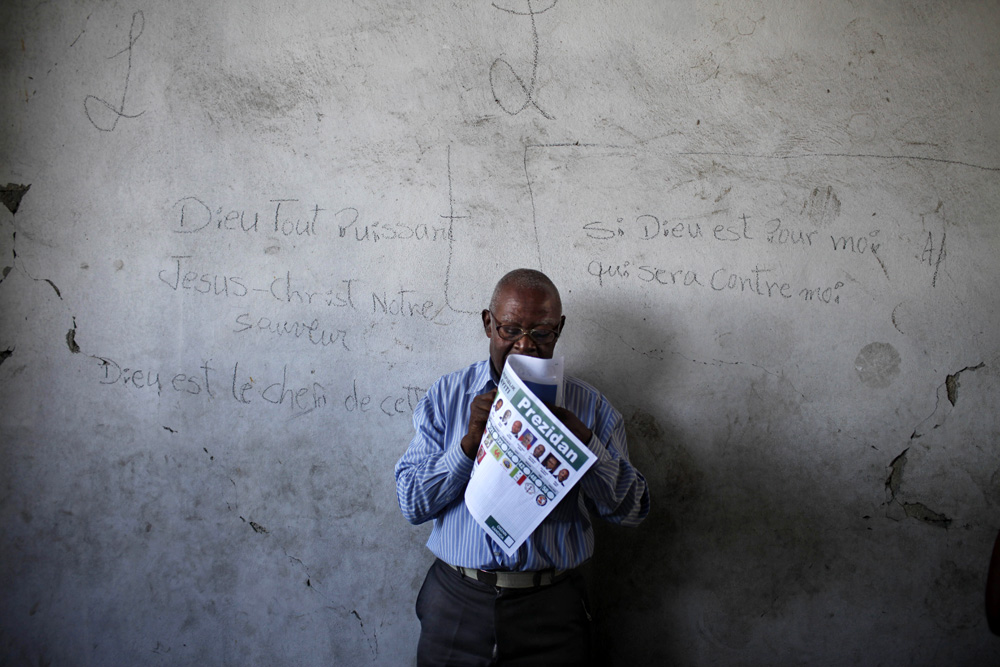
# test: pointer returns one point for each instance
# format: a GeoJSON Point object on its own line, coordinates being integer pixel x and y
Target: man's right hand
{"type": "Point", "coordinates": [479, 414]}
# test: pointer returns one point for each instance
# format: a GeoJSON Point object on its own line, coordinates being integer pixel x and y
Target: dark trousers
{"type": "Point", "coordinates": [467, 622]}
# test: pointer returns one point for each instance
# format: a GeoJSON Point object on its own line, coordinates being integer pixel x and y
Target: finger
{"type": "Point", "coordinates": [485, 398]}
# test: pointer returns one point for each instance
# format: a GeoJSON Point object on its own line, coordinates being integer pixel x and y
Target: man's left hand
{"type": "Point", "coordinates": [573, 423]}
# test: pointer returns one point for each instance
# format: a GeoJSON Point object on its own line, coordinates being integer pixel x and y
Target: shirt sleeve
{"type": "Point", "coordinates": [434, 470]}
{"type": "Point", "coordinates": [616, 491]}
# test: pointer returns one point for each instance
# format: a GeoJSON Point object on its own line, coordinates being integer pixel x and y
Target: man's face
{"type": "Point", "coordinates": [528, 309]}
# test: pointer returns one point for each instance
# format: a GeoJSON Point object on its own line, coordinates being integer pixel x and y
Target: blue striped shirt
{"type": "Point", "coordinates": [432, 474]}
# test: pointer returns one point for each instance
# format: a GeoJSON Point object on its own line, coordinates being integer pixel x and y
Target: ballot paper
{"type": "Point", "coordinates": [527, 460]}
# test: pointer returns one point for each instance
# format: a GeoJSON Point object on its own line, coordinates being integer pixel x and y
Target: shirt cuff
{"type": "Point", "coordinates": [598, 448]}
{"type": "Point", "coordinates": [457, 462]}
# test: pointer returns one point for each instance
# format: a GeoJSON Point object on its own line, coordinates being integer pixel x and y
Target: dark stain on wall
{"type": "Point", "coordinates": [914, 510]}
{"type": "Point", "coordinates": [11, 195]}
{"type": "Point", "coordinates": [951, 382]}
{"type": "Point", "coordinates": [71, 339]}
{"type": "Point", "coordinates": [923, 513]}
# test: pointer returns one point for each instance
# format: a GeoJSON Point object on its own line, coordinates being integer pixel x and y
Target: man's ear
{"type": "Point", "coordinates": [487, 319]}
{"type": "Point", "coordinates": [562, 323]}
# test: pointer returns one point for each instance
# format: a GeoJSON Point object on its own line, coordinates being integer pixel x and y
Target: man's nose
{"type": "Point", "coordinates": [526, 345]}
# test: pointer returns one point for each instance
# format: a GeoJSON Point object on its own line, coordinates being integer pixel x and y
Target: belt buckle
{"type": "Point", "coordinates": [489, 578]}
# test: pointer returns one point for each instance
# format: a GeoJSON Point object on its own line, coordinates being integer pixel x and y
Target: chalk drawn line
{"type": "Point", "coordinates": [857, 156]}
{"type": "Point", "coordinates": [528, 89]}
{"type": "Point", "coordinates": [118, 112]}
{"type": "Point", "coordinates": [531, 192]}
{"type": "Point", "coordinates": [451, 217]}
{"type": "Point", "coordinates": [766, 156]}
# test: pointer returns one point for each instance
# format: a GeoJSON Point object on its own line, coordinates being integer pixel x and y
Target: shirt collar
{"type": "Point", "coordinates": [483, 379]}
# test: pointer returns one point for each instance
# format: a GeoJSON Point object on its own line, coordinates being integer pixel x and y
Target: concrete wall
{"type": "Point", "coordinates": [240, 239]}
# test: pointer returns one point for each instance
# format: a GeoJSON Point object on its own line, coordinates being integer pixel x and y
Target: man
{"type": "Point", "coordinates": [477, 605]}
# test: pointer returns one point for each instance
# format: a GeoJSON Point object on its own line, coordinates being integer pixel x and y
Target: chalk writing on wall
{"type": "Point", "coordinates": [105, 115]}
{"type": "Point", "coordinates": [291, 389]}
{"type": "Point", "coordinates": [510, 91]}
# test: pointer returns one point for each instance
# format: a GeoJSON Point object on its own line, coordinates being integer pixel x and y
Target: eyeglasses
{"type": "Point", "coordinates": [510, 332]}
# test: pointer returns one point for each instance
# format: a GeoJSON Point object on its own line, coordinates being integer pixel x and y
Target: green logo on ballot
{"type": "Point", "coordinates": [495, 526]}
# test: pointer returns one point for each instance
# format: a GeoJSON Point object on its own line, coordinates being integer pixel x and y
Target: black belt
{"type": "Point", "coordinates": [532, 579]}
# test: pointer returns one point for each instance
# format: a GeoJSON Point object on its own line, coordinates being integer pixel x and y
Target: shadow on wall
{"type": "Point", "coordinates": [718, 553]}
{"type": "Point", "coordinates": [622, 349]}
